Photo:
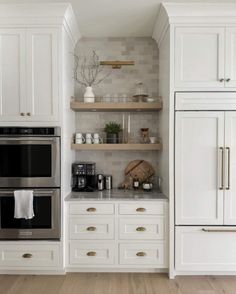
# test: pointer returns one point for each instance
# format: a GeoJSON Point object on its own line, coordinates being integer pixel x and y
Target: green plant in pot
{"type": "Point", "coordinates": [112, 130]}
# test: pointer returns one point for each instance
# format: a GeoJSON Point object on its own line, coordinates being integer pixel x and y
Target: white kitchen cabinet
{"type": "Point", "coordinates": [29, 74]}
{"type": "Point", "coordinates": [199, 57]}
{"type": "Point", "coordinates": [198, 168]}
{"type": "Point", "coordinates": [230, 61]}
{"type": "Point", "coordinates": [12, 74]}
{"type": "Point", "coordinates": [42, 74]}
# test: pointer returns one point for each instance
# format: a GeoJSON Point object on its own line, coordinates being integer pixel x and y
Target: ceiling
{"type": "Point", "coordinates": [115, 18]}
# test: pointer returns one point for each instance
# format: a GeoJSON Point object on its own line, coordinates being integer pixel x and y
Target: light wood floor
{"type": "Point", "coordinates": [116, 284]}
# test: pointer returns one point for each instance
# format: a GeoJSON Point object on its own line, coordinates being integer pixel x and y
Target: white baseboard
{"type": "Point", "coordinates": [32, 272]}
{"type": "Point", "coordinates": [115, 270]}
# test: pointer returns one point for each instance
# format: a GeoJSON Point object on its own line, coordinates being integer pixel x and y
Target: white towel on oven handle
{"type": "Point", "coordinates": [24, 204]}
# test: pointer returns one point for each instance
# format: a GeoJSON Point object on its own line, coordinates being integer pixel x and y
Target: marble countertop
{"type": "Point", "coordinates": [115, 194]}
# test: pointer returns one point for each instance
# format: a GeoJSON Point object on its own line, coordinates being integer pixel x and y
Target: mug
{"type": "Point", "coordinates": [78, 135]}
{"type": "Point", "coordinates": [88, 136]}
{"type": "Point", "coordinates": [89, 140]}
{"type": "Point", "coordinates": [97, 139]}
{"type": "Point", "coordinates": [79, 140]}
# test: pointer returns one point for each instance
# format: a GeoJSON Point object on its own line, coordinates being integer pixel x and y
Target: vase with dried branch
{"type": "Point", "coordinates": [88, 72]}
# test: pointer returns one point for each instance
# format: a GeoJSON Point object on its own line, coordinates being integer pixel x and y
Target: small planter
{"type": "Point", "coordinates": [112, 138]}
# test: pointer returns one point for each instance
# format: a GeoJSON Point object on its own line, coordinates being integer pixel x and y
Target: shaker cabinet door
{"type": "Point", "coordinates": [230, 64]}
{"type": "Point", "coordinates": [199, 168]}
{"type": "Point", "coordinates": [199, 57]}
{"type": "Point", "coordinates": [42, 74]}
{"type": "Point", "coordinates": [230, 168]}
{"type": "Point", "coordinates": [12, 74]}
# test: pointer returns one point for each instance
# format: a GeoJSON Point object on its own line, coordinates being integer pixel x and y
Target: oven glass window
{"type": "Point", "coordinates": [41, 220]}
{"type": "Point", "coordinates": [25, 160]}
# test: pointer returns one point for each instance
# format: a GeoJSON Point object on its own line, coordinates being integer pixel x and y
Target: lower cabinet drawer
{"type": "Point", "coordinates": [91, 253]}
{"type": "Point", "coordinates": [29, 255]}
{"type": "Point", "coordinates": [205, 249]}
{"type": "Point", "coordinates": [141, 228]}
{"type": "Point", "coordinates": [87, 228]}
{"type": "Point", "coordinates": [143, 254]}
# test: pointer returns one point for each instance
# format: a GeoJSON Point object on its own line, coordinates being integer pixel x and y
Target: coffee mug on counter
{"type": "Point", "coordinates": [152, 140]}
{"type": "Point", "coordinates": [97, 139]}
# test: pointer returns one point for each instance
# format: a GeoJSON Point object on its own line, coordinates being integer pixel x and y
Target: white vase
{"type": "Point", "coordinates": [89, 95]}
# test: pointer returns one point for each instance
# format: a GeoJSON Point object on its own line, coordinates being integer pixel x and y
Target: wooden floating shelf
{"type": "Point", "coordinates": [138, 147]}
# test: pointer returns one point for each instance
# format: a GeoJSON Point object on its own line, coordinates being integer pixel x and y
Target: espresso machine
{"type": "Point", "coordinates": [83, 176]}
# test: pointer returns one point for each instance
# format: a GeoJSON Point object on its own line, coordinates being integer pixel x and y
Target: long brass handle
{"type": "Point", "coordinates": [221, 80]}
{"type": "Point", "coordinates": [91, 229]}
{"type": "Point", "coordinates": [28, 113]}
{"type": "Point", "coordinates": [91, 253]}
{"type": "Point", "coordinates": [221, 186]}
{"type": "Point", "coordinates": [219, 230]}
{"type": "Point", "coordinates": [27, 255]}
{"type": "Point", "coordinates": [228, 80]}
{"type": "Point", "coordinates": [141, 209]}
{"type": "Point", "coordinates": [228, 168]}
{"type": "Point", "coordinates": [22, 114]}
{"type": "Point", "coordinates": [141, 254]}
{"type": "Point", "coordinates": [141, 229]}
{"type": "Point", "coordinates": [91, 209]}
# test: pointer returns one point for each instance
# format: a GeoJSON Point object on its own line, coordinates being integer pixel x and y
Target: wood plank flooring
{"type": "Point", "coordinates": [116, 283]}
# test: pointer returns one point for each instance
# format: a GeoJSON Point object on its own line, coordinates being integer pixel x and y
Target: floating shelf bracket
{"type": "Point", "coordinates": [117, 64]}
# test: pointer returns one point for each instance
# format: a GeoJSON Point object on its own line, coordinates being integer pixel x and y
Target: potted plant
{"type": "Point", "coordinates": [112, 130]}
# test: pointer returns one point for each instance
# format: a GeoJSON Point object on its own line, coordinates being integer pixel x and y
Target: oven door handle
{"type": "Point", "coordinates": [7, 193]}
{"type": "Point", "coordinates": [30, 139]}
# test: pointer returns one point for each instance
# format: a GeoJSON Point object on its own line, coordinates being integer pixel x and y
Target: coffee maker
{"type": "Point", "coordinates": [83, 176]}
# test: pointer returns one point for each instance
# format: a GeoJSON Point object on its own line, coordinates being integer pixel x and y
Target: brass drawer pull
{"type": "Point", "coordinates": [91, 229]}
{"type": "Point", "coordinates": [27, 255]}
{"type": "Point", "coordinates": [141, 254]}
{"type": "Point", "coordinates": [91, 253]}
{"type": "Point", "coordinates": [141, 209]}
{"type": "Point", "coordinates": [28, 113]}
{"type": "Point", "coordinates": [91, 209]}
{"type": "Point", "coordinates": [141, 229]}
{"type": "Point", "coordinates": [22, 114]}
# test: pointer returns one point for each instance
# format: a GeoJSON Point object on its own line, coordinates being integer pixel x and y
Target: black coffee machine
{"type": "Point", "coordinates": [83, 176]}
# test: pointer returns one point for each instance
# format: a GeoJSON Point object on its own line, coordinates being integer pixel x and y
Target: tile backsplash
{"type": "Point", "coordinates": [144, 52]}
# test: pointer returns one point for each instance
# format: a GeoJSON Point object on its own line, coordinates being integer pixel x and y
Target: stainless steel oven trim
{"type": "Point", "coordinates": [41, 234]}
{"type": "Point", "coordinates": [36, 182]}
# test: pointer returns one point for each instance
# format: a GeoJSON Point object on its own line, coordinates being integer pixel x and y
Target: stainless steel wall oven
{"type": "Point", "coordinates": [30, 159]}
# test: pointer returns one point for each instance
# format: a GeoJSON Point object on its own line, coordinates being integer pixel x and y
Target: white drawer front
{"type": "Point", "coordinates": [141, 208]}
{"type": "Point", "coordinates": [205, 101]}
{"type": "Point", "coordinates": [141, 228]}
{"type": "Point", "coordinates": [91, 253]}
{"type": "Point", "coordinates": [91, 209]}
{"type": "Point", "coordinates": [85, 228]}
{"type": "Point", "coordinates": [29, 255]}
{"type": "Point", "coordinates": [198, 250]}
{"type": "Point", "coordinates": [143, 254]}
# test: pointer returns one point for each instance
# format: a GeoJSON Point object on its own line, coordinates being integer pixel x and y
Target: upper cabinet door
{"type": "Point", "coordinates": [42, 74]}
{"type": "Point", "coordinates": [199, 57]}
{"type": "Point", "coordinates": [12, 74]}
{"type": "Point", "coordinates": [230, 168]}
{"type": "Point", "coordinates": [230, 64]}
{"type": "Point", "coordinates": [199, 168]}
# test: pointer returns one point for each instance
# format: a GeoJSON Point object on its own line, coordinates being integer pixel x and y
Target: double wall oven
{"type": "Point", "coordinates": [30, 159]}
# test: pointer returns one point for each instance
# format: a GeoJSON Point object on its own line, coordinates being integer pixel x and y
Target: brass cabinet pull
{"type": "Point", "coordinates": [228, 80]}
{"type": "Point", "coordinates": [27, 255]}
{"type": "Point", "coordinates": [221, 169]}
{"type": "Point", "coordinates": [221, 80]}
{"type": "Point", "coordinates": [91, 229]}
{"type": "Point", "coordinates": [141, 254]}
{"type": "Point", "coordinates": [91, 253]}
{"type": "Point", "coordinates": [141, 209]}
{"type": "Point", "coordinates": [141, 229]}
{"type": "Point", "coordinates": [228, 181]}
{"type": "Point", "coordinates": [219, 230]}
{"type": "Point", "coordinates": [91, 209]}
{"type": "Point", "coordinates": [28, 113]}
{"type": "Point", "coordinates": [22, 114]}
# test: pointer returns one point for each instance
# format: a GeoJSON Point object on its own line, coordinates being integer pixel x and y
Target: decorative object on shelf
{"type": "Point", "coordinates": [147, 186]}
{"type": "Point", "coordinates": [88, 72]}
{"type": "Point", "coordinates": [97, 139]}
{"type": "Point", "coordinates": [136, 183]}
{"type": "Point", "coordinates": [140, 92]}
{"type": "Point", "coordinates": [145, 135]}
{"type": "Point", "coordinates": [117, 64]}
{"type": "Point", "coordinates": [112, 130]}
{"type": "Point", "coordinates": [153, 140]}
{"type": "Point", "coordinates": [141, 169]}
{"type": "Point", "coordinates": [89, 138]}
